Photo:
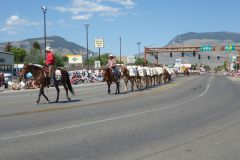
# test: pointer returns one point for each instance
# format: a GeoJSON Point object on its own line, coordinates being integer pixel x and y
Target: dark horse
{"type": "Point", "coordinates": [39, 74]}
{"type": "Point", "coordinates": [109, 78]}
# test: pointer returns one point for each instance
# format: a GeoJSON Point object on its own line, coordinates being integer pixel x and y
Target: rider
{"type": "Point", "coordinates": [50, 61]}
{"type": "Point", "coordinates": [113, 65]}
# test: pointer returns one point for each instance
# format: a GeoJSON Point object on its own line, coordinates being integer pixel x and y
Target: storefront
{"type": "Point", "coordinates": [6, 62]}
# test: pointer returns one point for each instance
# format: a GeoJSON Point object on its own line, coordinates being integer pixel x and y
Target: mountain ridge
{"type": "Point", "coordinates": [57, 43]}
{"type": "Point", "coordinates": [214, 38]}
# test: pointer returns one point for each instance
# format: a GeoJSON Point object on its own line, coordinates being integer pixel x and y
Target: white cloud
{"type": "Point", "coordinates": [85, 9]}
{"type": "Point", "coordinates": [14, 22]}
{"type": "Point", "coordinates": [82, 17]}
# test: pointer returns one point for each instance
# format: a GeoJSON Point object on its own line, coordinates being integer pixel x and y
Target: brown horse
{"type": "Point", "coordinates": [166, 76]}
{"type": "Point", "coordinates": [42, 80]}
{"type": "Point", "coordinates": [186, 72]}
{"type": "Point", "coordinates": [109, 78]}
{"type": "Point", "coordinates": [127, 77]}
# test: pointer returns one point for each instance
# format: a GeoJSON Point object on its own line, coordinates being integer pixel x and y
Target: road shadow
{"type": "Point", "coordinates": [66, 101]}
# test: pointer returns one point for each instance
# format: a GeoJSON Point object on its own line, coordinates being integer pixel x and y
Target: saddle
{"type": "Point", "coordinates": [46, 70]}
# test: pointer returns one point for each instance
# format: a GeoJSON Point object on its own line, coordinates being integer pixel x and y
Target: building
{"type": "Point", "coordinates": [6, 61]}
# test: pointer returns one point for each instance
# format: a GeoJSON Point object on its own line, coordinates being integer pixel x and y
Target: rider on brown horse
{"type": "Point", "coordinates": [49, 62]}
{"type": "Point", "coordinates": [113, 65]}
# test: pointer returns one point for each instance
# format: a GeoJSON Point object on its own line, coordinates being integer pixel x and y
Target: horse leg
{"type": "Point", "coordinates": [58, 90]}
{"type": "Point", "coordinates": [109, 91]}
{"type": "Point", "coordinates": [45, 95]}
{"type": "Point", "coordinates": [39, 95]}
{"type": "Point", "coordinates": [117, 88]}
{"type": "Point", "coordinates": [132, 84]}
{"type": "Point", "coordinates": [66, 89]}
{"type": "Point", "coordinates": [126, 87]}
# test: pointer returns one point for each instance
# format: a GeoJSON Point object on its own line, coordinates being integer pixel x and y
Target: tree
{"type": "Point", "coordinates": [103, 60]}
{"type": "Point", "coordinates": [34, 56]}
{"type": "Point", "coordinates": [36, 46]}
{"type": "Point", "coordinates": [65, 59]}
{"type": "Point", "coordinates": [59, 61]}
{"type": "Point", "coordinates": [140, 61]}
{"type": "Point", "coordinates": [8, 47]}
{"type": "Point", "coordinates": [19, 54]}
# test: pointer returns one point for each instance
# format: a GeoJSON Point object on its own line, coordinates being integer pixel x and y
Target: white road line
{"type": "Point", "coordinates": [105, 120]}
{"type": "Point", "coordinates": [47, 92]}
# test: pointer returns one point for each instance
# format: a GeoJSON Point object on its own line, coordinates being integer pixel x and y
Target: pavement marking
{"type": "Point", "coordinates": [105, 120]}
{"type": "Point", "coordinates": [46, 91]}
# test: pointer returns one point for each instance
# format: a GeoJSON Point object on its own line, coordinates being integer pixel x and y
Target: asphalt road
{"type": "Point", "coordinates": [193, 118]}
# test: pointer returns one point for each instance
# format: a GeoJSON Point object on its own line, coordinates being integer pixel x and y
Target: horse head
{"type": "Point", "coordinates": [24, 71]}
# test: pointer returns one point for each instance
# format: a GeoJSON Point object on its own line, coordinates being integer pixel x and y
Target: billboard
{"type": "Point", "coordinates": [74, 59]}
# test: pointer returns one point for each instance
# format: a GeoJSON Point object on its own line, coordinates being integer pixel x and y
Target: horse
{"type": "Point", "coordinates": [186, 71]}
{"type": "Point", "coordinates": [109, 78]}
{"type": "Point", "coordinates": [166, 76]}
{"type": "Point", "coordinates": [127, 77]}
{"type": "Point", "coordinates": [42, 80]}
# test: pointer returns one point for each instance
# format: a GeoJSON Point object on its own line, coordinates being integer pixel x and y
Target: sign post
{"type": "Point", "coordinates": [97, 65]}
{"type": "Point", "coordinates": [99, 43]}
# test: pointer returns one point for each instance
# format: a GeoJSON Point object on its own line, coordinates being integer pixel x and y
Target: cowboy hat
{"type": "Point", "coordinates": [48, 49]}
{"type": "Point", "coordinates": [111, 55]}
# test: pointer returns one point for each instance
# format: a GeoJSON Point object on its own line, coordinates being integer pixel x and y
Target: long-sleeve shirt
{"type": "Point", "coordinates": [50, 58]}
{"type": "Point", "coordinates": [111, 63]}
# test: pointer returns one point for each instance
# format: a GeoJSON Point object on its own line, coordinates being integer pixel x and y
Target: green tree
{"type": "Point", "coordinates": [65, 59]}
{"type": "Point", "coordinates": [225, 65]}
{"type": "Point", "coordinates": [103, 60]}
{"type": "Point", "coordinates": [140, 61]}
{"type": "Point", "coordinates": [19, 54]}
{"type": "Point", "coordinates": [34, 56]}
{"type": "Point", "coordinates": [36, 46]}
{"type": "Point", "coordinates": [59, 61]}
{"type": "Point", "coordinates": [8, 47]}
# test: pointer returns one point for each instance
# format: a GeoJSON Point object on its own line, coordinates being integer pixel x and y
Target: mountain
{"type": "Point", "coordinates": [57, 43]}
{"type": "Point", "coordinates": [197, 39]}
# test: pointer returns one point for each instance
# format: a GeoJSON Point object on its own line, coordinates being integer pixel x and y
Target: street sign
{"type": "Point", "coordinates": [99, 42]}
{"type": "Point", "coordinates": [97, 65]}
{"type": "Point", "coordinates": [131, 59]}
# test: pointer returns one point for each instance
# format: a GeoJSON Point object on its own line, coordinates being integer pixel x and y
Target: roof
{"type": "Point", "coordinates": [6, 52]}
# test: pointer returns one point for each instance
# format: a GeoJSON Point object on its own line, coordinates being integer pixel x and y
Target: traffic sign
{"type": "Point", "coordinates": [97, 65]}
{"type": "Point", "coordinates": [99, 43]}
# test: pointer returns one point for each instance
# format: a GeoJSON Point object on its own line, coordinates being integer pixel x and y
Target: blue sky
{"type": "Point", "coordinates": [151, 22]}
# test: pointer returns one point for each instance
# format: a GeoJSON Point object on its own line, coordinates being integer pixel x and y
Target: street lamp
{"type": "Point", "coordinates": [44, 9]}
{"type": "Point", "coordinates": [87, 25]}
{"type": "Point", "coordinates": [139, 43]}
{"type": "Point", "coordinates": [120, 38]}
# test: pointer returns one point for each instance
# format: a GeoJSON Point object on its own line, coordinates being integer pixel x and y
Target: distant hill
{"type": "Point", "coordinates": [57, 43]}
{"type": "Point", "coordinates": [214, 38]}
{"type": "Point", "coordinates": [198, 39]}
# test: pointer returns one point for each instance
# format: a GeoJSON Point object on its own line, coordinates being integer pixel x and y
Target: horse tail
{"type": "Point", "coordinates": [69, 84]}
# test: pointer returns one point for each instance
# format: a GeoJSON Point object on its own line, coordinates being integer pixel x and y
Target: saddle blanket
{"type": "Point", "coordinates": [58, 75]}
{"type": "Point", "coordinates": [132, 71]}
